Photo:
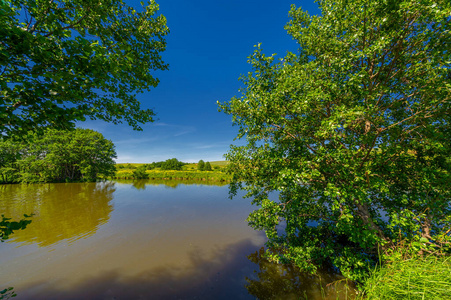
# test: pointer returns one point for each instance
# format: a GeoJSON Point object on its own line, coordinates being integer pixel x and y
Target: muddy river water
{"type": "Point", "coordinates": [141, 240]}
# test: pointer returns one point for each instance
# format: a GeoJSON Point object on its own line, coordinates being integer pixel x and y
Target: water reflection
{"type": "Point", "coordinates": [287, 282]}
{"type": "Point", "coordinates": [61, 211]}
{"type": "Point", "coordinates": [141, 183]}
{"type": "Point", "coordinates": [219, 276]}
{"type": "Point", "coordinates": [180, 240]}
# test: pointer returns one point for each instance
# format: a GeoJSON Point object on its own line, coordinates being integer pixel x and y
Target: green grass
{"type": "Point", "coordinates": [188, 172]}
{"type": "Point", "coordinates": [420, 278]}
{"type": "Point", "coordinates": [220, 163]}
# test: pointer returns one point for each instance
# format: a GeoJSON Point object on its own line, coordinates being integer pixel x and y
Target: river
{"type": "Point", "coordinates": [141, 240]}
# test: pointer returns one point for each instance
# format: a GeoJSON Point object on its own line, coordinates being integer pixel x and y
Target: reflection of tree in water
{"type": "Point", "coordinates": [139, 184]}
{"type": "Point", "coordinates": [62, 211]}
{"type": "Point", "coordinates": [7, 227]}
{"type": "Point", "coordinates": [287, 282]}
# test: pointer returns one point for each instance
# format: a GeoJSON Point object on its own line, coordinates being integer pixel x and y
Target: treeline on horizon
{"type": "Point", "coordinates": [173, 169]}
{"type": "Point", "coordinates": [169, 164]}
{"type": "Point", "coordinates": [82, 155]}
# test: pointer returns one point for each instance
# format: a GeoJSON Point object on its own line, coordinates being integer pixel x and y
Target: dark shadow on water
{"type": "Point", "coordinates": [273, 281]}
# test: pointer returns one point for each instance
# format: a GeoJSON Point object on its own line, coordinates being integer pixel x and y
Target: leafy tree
{"type": "Point", "coordinates": [172, 164]}
{"type": "Point", "coordinates": [62, 61]}
{"type": "Point", "coordinates": [157, 164]}
{"type": "Point", "coordinates": [9, 154]}
{"type": "Point", "coordinates": [130, 166]}
{"type": "Point", "coordinates": [353, 131]}
{"type": "Point", "coordinates": [201, 165]}
{"type": "Point", "coordinates": [207, 166]}
{"type": "Point", "coordinates": [75, 155]}
{"type": "Point", "coordinates": [140, 173]}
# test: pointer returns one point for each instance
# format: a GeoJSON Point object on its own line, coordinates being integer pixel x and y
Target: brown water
{"type": "Point", "coordinates": [141, 240]}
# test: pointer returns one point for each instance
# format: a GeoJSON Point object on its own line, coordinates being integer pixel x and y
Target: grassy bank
{"type": "Point", "coordinates": [188, 172]}
{"type": "Point", "coordinates": [178, 175]}
{"type": "Point", "coordinates": [141, 183]}
{"type": "Point", "coordinates": [418, 278]}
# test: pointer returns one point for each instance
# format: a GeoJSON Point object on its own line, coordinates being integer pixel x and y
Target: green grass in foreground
{"type": "Point", "coordinates": [420, 278]}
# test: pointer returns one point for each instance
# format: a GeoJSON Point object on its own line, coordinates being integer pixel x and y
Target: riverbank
{"type": "Point", "coordinates": [176, 175]}
{"type": "Point", "coordinates": [416, 278]}
{"type": "Point", "coordinates": [188, 172]}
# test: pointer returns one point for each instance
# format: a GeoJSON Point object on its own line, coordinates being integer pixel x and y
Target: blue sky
{"type": "Point", "coordinates": [207, 50]}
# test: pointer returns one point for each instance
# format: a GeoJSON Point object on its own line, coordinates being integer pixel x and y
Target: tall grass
{"type": "Point", "coordinates": [426, 278]}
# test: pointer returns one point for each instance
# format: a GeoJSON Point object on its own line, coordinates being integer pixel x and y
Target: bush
{"type": "Point", "coordinates": [140, 173]}
{"type": "Point", "coordinates": [172, 164]}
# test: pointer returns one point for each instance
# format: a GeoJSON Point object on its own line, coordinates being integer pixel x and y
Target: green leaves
{"type": "Point", "coordinates": [140, 173]}
{"type": "Point", "coordinates": [201, 165]}
{"type": "Point", "coordinates": [172, 164]}
{"type": "Point", "coordinates": [78, 155]}
{"type": "Point", "coordinates": [341, 130]}
{"type": "Point", "coordinates": [47, 55]}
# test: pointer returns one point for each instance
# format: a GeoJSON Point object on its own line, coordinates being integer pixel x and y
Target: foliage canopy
{"type": "Point", "coordinates": [75, 155]}
{"type": "Point", "coordinates": [140, 173]}
{"type": "Point", "coordinates": [172, 164]}
{"type": "Point", "coordinates": [201, 165]}
{"type": "Point", "coordinates": [353, 131]}
{"type": "Point", "coordinates": [62, 61]}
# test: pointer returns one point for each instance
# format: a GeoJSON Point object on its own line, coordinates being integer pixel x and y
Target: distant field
{"type": "Point", "coordinates": [188, 172]}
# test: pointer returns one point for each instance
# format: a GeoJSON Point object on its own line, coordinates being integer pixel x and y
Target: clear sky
{"type": "Point", "coordinates": [207, 50]}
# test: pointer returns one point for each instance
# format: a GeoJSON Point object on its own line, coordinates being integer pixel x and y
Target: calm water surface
{"type": "Point", "coordinates": [140, 240]}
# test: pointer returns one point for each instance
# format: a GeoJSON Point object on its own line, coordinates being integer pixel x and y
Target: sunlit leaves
{"type": "Point", "coordinates": [63, 61]}
{"type": "Point", "coordinates": [76, 155]}
{"type": "Point", "coordinates": [352, 131]}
